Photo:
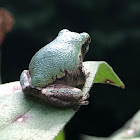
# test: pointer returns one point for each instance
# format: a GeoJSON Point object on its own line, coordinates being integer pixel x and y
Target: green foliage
{"type": "Point", "coordinates": [60, 136]}
{"type": "Point", "coordinates": [100, 72]}
{"type": "Point", "coordinates": [25, 117]}
{"type": "Point", "coordinates": [130, 131]}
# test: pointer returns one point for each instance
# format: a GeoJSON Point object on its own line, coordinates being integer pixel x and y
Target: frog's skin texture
{"type": "Point", "coordinates": [63, 55]}
{"type": "Point", "coordinates": [56, 69]}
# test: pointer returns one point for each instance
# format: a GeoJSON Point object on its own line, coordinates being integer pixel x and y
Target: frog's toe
{"type": "Point", "coordinates": [84, 102]}
{"type": "Point", "coordinates": [85, 97]}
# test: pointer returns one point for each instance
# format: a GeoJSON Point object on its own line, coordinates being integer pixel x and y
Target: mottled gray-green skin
{"type": "Point", "coordinates": [61, 55]}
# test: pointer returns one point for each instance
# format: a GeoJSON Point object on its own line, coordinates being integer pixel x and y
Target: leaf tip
{"type": "Point", "coordinates": [123, 86]}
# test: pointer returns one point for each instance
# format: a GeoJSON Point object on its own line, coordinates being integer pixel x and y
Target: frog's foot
{"type": "Point", "coordinates": [82, 101]}
{"type": "Point", "coordinates": [25, 80]}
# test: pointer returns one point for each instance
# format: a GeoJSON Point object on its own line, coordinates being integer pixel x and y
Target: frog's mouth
{"type": "Point", "coordinates": [85, 47]}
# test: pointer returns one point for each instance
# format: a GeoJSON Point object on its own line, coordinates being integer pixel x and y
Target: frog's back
{"type": "Point", "coordinates": [51, 61]}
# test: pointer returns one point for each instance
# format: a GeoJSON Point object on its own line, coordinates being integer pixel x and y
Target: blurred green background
{"type": "Point", "coordinates": [115, 33]}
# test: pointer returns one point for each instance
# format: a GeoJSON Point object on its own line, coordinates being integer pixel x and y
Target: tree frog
{"type": "Point", "coordinates": [56, 71]}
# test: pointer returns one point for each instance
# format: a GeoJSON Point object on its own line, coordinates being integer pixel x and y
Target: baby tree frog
{"type": "Point", "coordinates": [55, 71]}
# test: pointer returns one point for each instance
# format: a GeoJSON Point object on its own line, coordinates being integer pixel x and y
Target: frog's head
{"type": "Point", "coordinates": [79, 40]}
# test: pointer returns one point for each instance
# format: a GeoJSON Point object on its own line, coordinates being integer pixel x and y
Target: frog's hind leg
{"type": "Point", "coordinates": [56, 101]}
{"type": "Point", "coordinates": [63, 95]}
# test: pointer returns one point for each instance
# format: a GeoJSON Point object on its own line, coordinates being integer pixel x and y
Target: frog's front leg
{"type": "Point", "coordinates": [64, 95]}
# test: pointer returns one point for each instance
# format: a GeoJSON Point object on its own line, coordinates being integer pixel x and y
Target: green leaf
{"type": "Point", "coordinates": [130, 131]}
{"type": "Point", "coordinates": [85, 137]}
{"type": "Point", "coordinates": [60, 136]}
{"type": "Point", "coordinates": [24, 117]}
{"type": "Point", "coordinates": [100, 72]}
{"type": "Point", "coordinates": [27, 117]}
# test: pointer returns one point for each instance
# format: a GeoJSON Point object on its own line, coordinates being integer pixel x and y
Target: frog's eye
{"type": "Point", "coordinates": [89, 40]}
{"type": "Point", "coordinates": [85, 46]}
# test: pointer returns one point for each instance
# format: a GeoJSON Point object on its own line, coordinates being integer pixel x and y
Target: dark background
{"type": "Point", "coordinates": [115, 33]}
